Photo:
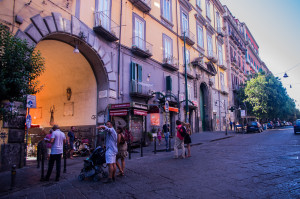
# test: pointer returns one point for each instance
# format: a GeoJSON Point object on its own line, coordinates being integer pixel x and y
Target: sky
{"type": "Point", "coordinates": [275, 25]}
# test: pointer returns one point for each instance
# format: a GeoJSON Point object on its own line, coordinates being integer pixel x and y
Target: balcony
{"type": "Point", "coordinates": [170, 62]}
{"type": "Point", "coordinates": [233, 61]}
{"type": "Point", "coordinates": [212, 56]}
{"type": "Point", "coordinates": [224, 90]}
{"type": "Point", "coordinates": [222, 64]}
{"type": "Point", "coordinates": [190, 72]}
{"type": "Point", "coordinates": [189, 37]}
{"type": "Point", "coordinates": [141, 48]}
{"type": "Point", "coordinates": [106, 27]}
{"type": "Point", "coordinates": [140, 89]}
{"type": "Point", "coordinates": [199, 62]}
{"type": "Point", "coordinates": [143, 5]}
{"type": "Point", "coordinates": [220, 32]}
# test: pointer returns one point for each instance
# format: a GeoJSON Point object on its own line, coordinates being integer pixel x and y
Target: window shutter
{"type": "Point", "coordinates": [140, 79]}
{"type": "Point", "coordinates": [169, 83]}
{"type": "Point", "coordinates": [132, 77]}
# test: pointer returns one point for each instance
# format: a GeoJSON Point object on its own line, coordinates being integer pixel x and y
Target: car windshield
{"type": "Point", "coordinates": [298, 122]}
{"type": "Point", "coordinates": [252, 123]}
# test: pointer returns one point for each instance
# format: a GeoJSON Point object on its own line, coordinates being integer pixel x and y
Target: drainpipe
{"type": "Point", "coordinates": [119, 49]}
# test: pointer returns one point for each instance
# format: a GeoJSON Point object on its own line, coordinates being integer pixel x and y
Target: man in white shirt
{"type": "Point", "coordinates": [111, 150]}
{"type": "Point", "coordinates": [58, 139]}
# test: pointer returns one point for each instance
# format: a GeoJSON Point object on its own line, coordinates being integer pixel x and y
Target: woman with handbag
{"type": "Point", "coordinates": [187, 138]}
{"type": "Point", "coordinates": [122, 151]}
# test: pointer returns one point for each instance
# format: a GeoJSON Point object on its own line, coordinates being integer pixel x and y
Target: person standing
{"type": "Point", "coordinates": [71, 139]}
{"type": "Point", "coordinates": [230, 125]}
{"type": "Point", "coordinates": [58, 139]}
{"type": "Point", "coordinates": [166, 131]}
{"type": "Point", "coordinates": [179, 140]}
{"type": "Point", "coordinates": [187, 138]}
{"type": "Point", "coordinates": [48, 143]}
{"type": "Point", "coordinates": [122, 151]}
{"type": "Point", "coordinates": [159, 136]}
{"type": "Point", "coordinates": [111, 150]}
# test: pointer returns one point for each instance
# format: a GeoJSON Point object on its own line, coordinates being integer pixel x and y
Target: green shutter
{"type": "Point", "coordinates": [140, 78]}
{"type": "Point", "coordinates": [169, 83]}
{"type": "Point", "coordinates": [132, 77]}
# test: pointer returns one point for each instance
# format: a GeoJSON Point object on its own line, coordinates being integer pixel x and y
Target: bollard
{"type": "Point", "coordinates": [129, 149]}
{"type": "Point", "coordinates": [154, 145]}
{"type": "Point", "coordinates": [42, 164]}
{"type": "Point", "coordinates": [141, 147]}
{"type": "Point", "coordinates": [38, 156]}
{"type": "Point", "coordinates": [169, 144]}
{"type": "Point", "coordinates": [13, 176]}
{"type": "Point", "coordinates": [65, 158]}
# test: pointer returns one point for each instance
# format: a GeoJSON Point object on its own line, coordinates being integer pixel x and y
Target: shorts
{"type": "Point", "coordinates": [71, 146]}
{"type": "Point", "coordinates": [110, 158]}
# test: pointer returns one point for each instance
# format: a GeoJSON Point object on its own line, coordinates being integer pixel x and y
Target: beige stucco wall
{"type": "Point", "coordinates": [65, 69]}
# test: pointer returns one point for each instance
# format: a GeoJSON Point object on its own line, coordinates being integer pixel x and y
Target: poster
{"type": "Point", "coordinates": [155, 119]}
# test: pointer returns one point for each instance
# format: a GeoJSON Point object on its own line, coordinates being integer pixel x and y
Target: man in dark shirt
{"type": "Point", "coordinates": [71, 137]}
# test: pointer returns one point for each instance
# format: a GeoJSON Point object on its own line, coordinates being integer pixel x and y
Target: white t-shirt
{"type": "Point", "coordinates": [58, 144]}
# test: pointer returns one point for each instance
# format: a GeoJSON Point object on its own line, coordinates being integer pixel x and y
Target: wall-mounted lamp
{"type": "Point", "coordinates": [69, 93]}
{"type": "Point", "coordinates": [76, 50]}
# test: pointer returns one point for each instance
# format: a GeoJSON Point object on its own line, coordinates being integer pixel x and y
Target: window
{"type": "Point", "coordinates": [189, 92]}
{"type": "Point", "coordinates": [167, 49]}
{"type": "Point", "coordinates": [195, 88]}
{"type": "Point", "coordinates": [136, 77]}
{"type": "Point", "coordinates": [198, 3]}
{"type": "Point", "coordinates": [169, 83]}
{"type": "Point", "coordinates": [218, 22]}
{"type": "Point", "coordinates": [200, 36]}
{"type": "Point", "coordinates": [222, 81]}
{"type": "Point", "coordinates": [184, 23]}
{"type": "Point", "coordinates": [103, 11]}
{"type": "Point", "coordinates": [187, 58]}
{"type": "Point", "coordinates": [208, 9]}
{"type": "Point", "coordinates": [220, 54]}
{"type": "Point", "coordinates": [166, 9]}
{"type": "Point", "coordinates": [209, 46]}
{"type": "Point", "coordinates": [139, 32]}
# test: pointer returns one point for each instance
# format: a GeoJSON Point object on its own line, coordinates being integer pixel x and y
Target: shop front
{"type": "Point", "coordinates": [131, 116]}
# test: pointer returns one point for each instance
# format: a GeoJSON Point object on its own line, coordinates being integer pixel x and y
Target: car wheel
{"type": "Point", "coordinates": [96, 178]}
{"type": "Point", "coordinates": [81, 177]}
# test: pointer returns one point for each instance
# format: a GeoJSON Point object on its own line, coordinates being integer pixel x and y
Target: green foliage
{"type": "Point", "coordinates": [20, 66]}
{"type": "Point", "coordinates": [266, 98]}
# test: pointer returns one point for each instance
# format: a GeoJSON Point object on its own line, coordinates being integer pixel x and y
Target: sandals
{"type": "Point", "coordinates": [120, 174]}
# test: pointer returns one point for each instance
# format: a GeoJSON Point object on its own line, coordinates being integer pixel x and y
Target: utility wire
{"type": "Point", "coordinates": [288, 69]}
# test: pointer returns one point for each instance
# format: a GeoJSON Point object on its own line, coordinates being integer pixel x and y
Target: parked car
{"type": "Point", "coordinates": [254, 126]}
{"type": "Point", "coordinates": [297, 126]}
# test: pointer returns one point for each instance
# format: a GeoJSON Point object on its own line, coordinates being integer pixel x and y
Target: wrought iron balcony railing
{"type": "Point", "coordinates": [212, 56]}
{"type": "Point", "coordinates": [141, 48]}
{"type": "Point", "coordinates": [170, 62]}
{"type": "Point", "coordinates": [106, 27]}
{"type": "Point", "coordinates": [189, 37]}
{"type": "Point", "coordinates": [140, 89]}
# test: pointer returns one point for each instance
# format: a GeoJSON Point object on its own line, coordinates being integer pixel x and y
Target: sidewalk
{"type": "Point", "coordinates": [29, 177]}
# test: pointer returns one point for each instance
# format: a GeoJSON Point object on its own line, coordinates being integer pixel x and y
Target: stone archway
{"type": "Point", "coordinates": [55, 27]}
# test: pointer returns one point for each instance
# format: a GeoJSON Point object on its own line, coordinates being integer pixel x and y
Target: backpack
{"type": "Point", "coordinates": [182, 132]}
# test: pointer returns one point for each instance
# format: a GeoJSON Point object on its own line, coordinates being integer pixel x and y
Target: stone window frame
{"type": "Point", "coordinates": [134, 16]}
{"type": "Point", "coordinates": [169, 22]}
{"type": "Point", "coordinates": [166, 37]}
{"type": "Point", "coordinates": [208, 14]}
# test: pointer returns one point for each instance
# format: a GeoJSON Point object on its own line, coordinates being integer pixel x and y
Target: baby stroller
{"type": "Point", "coordinates": [94, 165]}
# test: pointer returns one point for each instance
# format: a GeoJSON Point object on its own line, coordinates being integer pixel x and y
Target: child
{"type": "Point", "coordinates": [159, 135]}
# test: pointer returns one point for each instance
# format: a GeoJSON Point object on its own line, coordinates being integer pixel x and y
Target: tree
{"type": "Point", "coordinates": [20, 66]}
{"type": "Point", "coordinates": [266, 98]}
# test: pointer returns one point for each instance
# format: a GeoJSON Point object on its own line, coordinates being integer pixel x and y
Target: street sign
{"type": "Point", "coordinates": [167, 107]}
{"type": "Point", "coordinates": [243, 113]}
{"type": "Point", "coordinates": [28, 121]}
{"type": "Point", "coordinates": [31, 101]}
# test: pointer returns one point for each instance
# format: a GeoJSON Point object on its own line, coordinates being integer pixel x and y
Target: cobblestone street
{"type": "Point", "coordinates": [264, 165]}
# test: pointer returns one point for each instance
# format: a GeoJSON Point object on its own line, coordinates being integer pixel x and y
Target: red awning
{"type": "Point", "coordinates": [119, 112]}
{"type": "Point", "coordinates": [140, 112]}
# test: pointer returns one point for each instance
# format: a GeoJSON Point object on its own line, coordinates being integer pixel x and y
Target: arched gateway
{"type": "Point", "coordinates": [55, 31]}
